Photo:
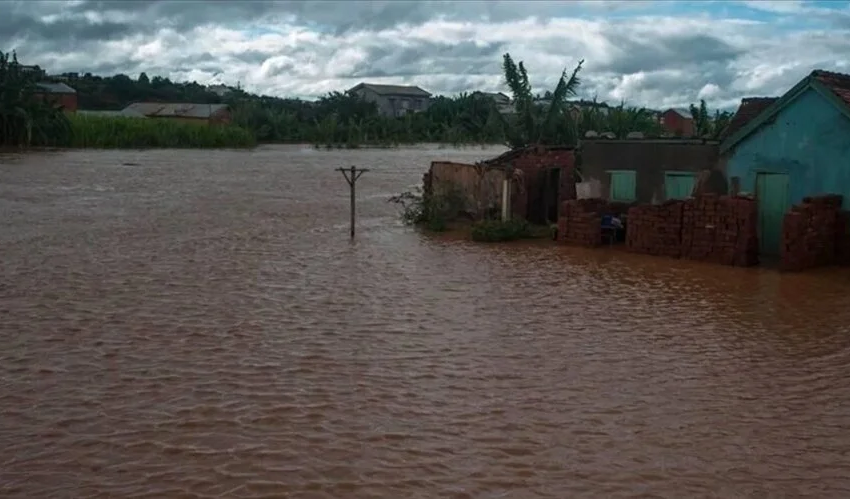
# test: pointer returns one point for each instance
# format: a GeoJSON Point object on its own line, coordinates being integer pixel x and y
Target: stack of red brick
{"type": "Point", "coordinates": [580, 220]}
{"type": "Point", "coordinates": [720, 229]}
{"type": "Point", "coordinates": [810, 233]}
{"type": "Point", "coordinates": [711, 228]}
{"type": "Point", "coordinates": [655, 229]}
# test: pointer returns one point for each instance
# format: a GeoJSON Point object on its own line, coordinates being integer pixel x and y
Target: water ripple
{"type": "Point", "coordinates": [202, 326]}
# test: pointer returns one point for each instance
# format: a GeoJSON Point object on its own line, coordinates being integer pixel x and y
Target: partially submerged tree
{"type": "Point", "coordinates": [546, 123]}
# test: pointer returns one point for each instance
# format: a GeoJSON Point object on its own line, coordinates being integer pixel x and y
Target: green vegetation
{"type": "Point", "coordinates": [704, 126]}
{"type": "Point", "coordinates": [24, 119]}
{"type": "Point", "coordinates": [494, 231]}
{"type": "Point", "coordinates": [432, 211]}
{"type": "Point", "coordinates": [122, 132]}
{"type": "Point", "coordinates": [341, 120]}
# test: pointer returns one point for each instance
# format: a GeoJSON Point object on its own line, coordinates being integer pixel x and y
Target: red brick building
{"type": "Point", "coordinates": [544, 177]}
{"type": "Point", "coordinates": [58, 94]}
{"type": "Point", "coordinates": [677, 122]}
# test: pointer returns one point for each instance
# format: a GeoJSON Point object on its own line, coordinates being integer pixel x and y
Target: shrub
{"type": "Point", "coordinates": [434, 211]}
{"type": "Point", "coordinates": [492, 231]}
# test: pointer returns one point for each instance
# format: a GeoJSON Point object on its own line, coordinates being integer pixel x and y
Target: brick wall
{"type": "Point", "coordinates": [527, 202]}
{"type": "Point", "coordinates": [720, 229]}
{"type": "Point", "coordinates": [580, 220]}
{"type": "Point", "coordinates": [710, 228]}
{"type": "Point", "coordinates": [811, 234]}
{"type": "Point", "coordinates": [655, 229]}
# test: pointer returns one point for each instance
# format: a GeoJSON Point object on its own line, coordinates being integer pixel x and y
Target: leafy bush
{"type": "Point", "coordinates": [434, 211]}
{"type": "Point", "coordinates": [492, 231]}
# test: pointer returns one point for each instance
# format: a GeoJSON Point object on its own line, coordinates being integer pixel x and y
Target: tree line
{"type": "Point", "coordinates": [340, 119]}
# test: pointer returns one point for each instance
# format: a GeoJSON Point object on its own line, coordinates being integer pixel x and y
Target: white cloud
{"type": "Point", "coordinates": [634, 51]}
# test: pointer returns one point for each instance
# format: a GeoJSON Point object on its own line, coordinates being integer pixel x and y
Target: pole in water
{"type": "Point", "coordinates": [351, 175]}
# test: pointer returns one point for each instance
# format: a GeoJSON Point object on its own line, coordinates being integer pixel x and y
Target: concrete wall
{"type": "Point", "coordinates": [387, 107]}
{"type": "Point", "coordinates": [809, 140]}
{"type": "Point", "coordinates": [650, 159]}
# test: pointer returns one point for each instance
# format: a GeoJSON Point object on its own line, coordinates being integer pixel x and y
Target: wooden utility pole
{"type": "Point", "coordinates": [351, 175]}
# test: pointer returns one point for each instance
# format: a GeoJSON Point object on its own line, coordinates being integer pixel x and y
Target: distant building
{"type": "Point", "coordinates": [58, 94]}
{"type": "Point", "coordinates": [677, 122]}
{"type": "Point", "coordinates": [504, 104]}
{"type": "Point", "coordinates": [34, 70]}
{"type": "Point", "coordinates": [210, 114]}
{"type": "Point", "coordinates": [220, 90]}
{"type": "Point", "coordinates": [393, 100]}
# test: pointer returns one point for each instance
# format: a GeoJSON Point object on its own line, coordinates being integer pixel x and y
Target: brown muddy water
{"type": "Point", "coordinates": [197, 324]}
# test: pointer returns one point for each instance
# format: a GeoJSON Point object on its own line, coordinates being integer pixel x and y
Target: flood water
{"type": "Point", "coordinates": [197, 324]}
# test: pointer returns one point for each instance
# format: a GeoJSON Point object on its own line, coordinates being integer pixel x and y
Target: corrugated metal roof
{"type": "Point", "coordinates": [56, 88]}
{"type": "Point", "coordinates": [175, 110]}
{"type": "Point", "coordinates": [124, 113]}
{"type": "Point", "coordinates": [408, 90]}
{"type": "Point", "coordinates": [750, 108]}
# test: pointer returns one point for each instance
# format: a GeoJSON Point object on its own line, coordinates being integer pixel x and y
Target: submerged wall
{"type": "Point", "coordinates": [709, 228]}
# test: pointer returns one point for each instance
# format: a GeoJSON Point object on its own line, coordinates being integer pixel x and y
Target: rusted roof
{"type": "Point", "coordinates": [825, 82]}
{"type": "Point", "coordinates": [55, 88]}
{"type": "Point", "coordinates": [838, 83]}
{"type": "Point", "coordinates": [174, 110]}
{"type": "Point", "coordinates": [407, 90]}
{"type": "Point", "coordinates": [750, 108]}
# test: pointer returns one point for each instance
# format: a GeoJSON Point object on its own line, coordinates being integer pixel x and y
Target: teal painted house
{"type": "Point", "coordinates": [782, 150]}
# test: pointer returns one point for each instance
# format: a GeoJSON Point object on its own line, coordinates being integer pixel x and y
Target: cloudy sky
{"type": "Point", "coordinates": [655, 54]}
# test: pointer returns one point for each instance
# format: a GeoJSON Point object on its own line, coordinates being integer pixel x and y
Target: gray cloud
{"type": "Point", "coordinates": [301, 48]}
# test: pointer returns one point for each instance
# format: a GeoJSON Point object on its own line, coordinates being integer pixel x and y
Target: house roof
{"type": "Point", "coordinates": [750, 108]}
{"type": "Point", "coordinates": [837, 83]}
{"type": "Point", "coordinates": [124, 113]}
{"type": "Point", "coordinates": [171, 110]}
{"type": "Point", "coordinates": [494, 95]}
{"type": "Point", "coordinates": [55, 88]}
{"type": "Point", "coordinates": [407, 90]}
{"type": "Point", "coordinates": [834, 87]}
{"type": "Point", "coordinates": [505, 157]}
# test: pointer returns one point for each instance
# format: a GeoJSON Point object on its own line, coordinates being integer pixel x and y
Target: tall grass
{"type": "Point", "coordinates": [108, 132]}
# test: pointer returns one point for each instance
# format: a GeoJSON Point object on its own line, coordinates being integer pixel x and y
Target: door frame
{"type": "Point", "coordinates": [761, 174]}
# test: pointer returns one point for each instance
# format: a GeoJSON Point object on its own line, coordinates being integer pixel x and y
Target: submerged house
{"type": "Point", "coordinates": [540, 178]}
{"type": "Point", "coordinates": [789, 148]}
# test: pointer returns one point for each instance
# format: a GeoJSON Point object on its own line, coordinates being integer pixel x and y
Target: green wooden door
{"type": "Point", "coordinates": [773, 202]}
{"type": "Point", "coordinates": [679, 185]}
{"type": "Point", "coordinates": [623, 186]}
